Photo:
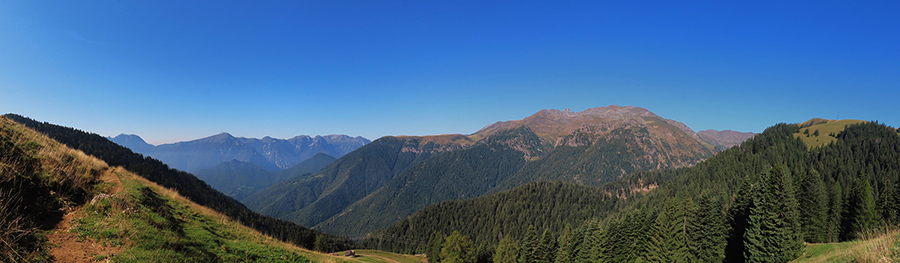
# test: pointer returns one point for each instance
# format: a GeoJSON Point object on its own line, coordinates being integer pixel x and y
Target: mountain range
{"type": "Point", "coordinates": [393, 177]}
{"type": "Point", "coordinates": [724, 139]}
{"type": "Point", "coordinates": [240, 179]}
{"type": "Point", "coordinates": [268, 153]}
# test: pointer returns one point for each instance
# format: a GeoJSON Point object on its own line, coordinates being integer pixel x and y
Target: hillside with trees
{"type": "Point", "coordinates": [591, 147]}
{"type": "Point", "coordinates": [757, 202]}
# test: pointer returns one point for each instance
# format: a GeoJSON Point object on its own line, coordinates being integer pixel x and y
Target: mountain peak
{"type": "Point", "coordinates": [551, 123]}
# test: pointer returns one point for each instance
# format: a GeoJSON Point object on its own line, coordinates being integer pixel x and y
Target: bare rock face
{"type": "Point", "coordinates": [724, 139]}
{"type": "Point", "coordinates": [669, 142]}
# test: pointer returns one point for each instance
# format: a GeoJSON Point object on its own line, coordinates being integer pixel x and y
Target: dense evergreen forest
{"type": "Point", "coordinates": [185, 184]}
{"type": "Point", "coordinates": [757, 202]}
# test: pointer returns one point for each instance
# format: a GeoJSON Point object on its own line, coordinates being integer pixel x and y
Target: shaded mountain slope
{"type": "Point", "coordinates": [463, 173]}
{"type": "Point", "coordinates": [239, 179]}
{"type": "Point", "coordinates": [869, 149]}
{"type": "Point", "coordinates": [348, 179]}
{"type": "Point", "coordinates": [590, 147]}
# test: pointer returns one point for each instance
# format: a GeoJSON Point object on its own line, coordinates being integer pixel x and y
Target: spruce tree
{"type": "Point", "coordinates": [711, 232]}
{"type": "Point", "coordinates": [738, 220]}
{"type": "Point", "coordinates": [433, 249]}
{"type": "Point", "coordinates": [507, 251]}
{"type": "Point", "coordinates": [529, 246]}
{"type": "Point", "coordinates": [773, 228]}
{"type": "Point", "coordinates": [563, 251]}
{"type": "Point", "coordinates": [590, 241]}
{"type": "Point", "coordinates": [546, 251]}
{"type": "Point", "coordinates": [862, 211]}
{"type": "Point", "coordinates": [835, 211]}
{"type": "Point", "coordinates": [887, 202]}
{"type": "Point", "coordinates": [670, 243]}
{"type": "Point", "coordinates": [814, 208]}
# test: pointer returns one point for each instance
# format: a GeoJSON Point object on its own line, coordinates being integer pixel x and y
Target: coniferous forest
{"type": "Point", "coordinates": [757, 202]}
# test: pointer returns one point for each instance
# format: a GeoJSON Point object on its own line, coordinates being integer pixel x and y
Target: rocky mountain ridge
{"type": "Point", "coordinates": [269, 153]}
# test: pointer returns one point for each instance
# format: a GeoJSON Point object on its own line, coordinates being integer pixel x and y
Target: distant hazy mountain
{"type": "Point", "coordinates": [133, 142]}
{"type": "Point", "coordinates": [393, 177]}
{"type": "Point", "coordinates": [268, 153]}
{"type": "Point", "coordinates": [724, 139]}
{"type": "Point", "coordinates": [240, 179]}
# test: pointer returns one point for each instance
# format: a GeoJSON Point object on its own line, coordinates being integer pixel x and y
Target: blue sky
{"type": "Point", "coordinates": [181, 70]}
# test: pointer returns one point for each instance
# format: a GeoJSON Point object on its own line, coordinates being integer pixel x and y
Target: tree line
{"type": "Point", "coordinates": [757, 202]}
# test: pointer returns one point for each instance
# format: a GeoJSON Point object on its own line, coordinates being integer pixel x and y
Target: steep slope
{"type": "Point", "coordinates": [724, 139]}
{"type": "Point", "coordinates": [308, 166]}
{"type": "Point", "coordinates": [861, 152]}
{"type": "Point", "coordinates": [268, 153]}
{"type": "Point", "coordinates": [236, 179]}
{"type": "Point", "coordinates": [350, 178]}
{"type": "Point", "coordinates": [184, 183]}
{"type": "Point", "coordinates": [599, 145]}
{"type": "Point", "coordinates": [88, 212]}
{"type": "Point", "coordinates": [591, 147]}
{"type": "Point", "coordinates": [463, 173]}
{"type": "Point", "coordinates": [239, 179]}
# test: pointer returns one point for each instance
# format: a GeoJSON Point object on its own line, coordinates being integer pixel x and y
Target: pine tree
{"type": "Point", "coordinates": [507, 251]}
{"type": "Point", "coordinates": [711, 234]}
{"type": "Point", "coordinates": [546, 251]}
{"type": "Point", "coordinates": [738, 220]}
{"type": "Point", "coordinates": [887, 203]}
{"type": "Point", "coordinates": [589, 240]}
{"type": "Point", "coordinates": [813, 208]}
{"type": "Point", "coordinates": [773, 229]}
{"type": "Point", "coordinates": [564, 252]}
{"type": "Point", "coordinates": [835, 211]}
{"type": "Point", "coordinates": [457, 248]}
{"type": "Point", "coordinates": [528, 249]}
{"type": "Point", "coordinates": [433, 250]}
{"type": "Point", "coordinates": [671, 242]}
{"type": "Point", "coordinates": [862, 211]}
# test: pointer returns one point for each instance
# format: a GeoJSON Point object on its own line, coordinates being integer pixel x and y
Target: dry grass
{"type": "Point", "coordinates": [879, 245]}
{"type": "Point", "coordinates": [37, 172]}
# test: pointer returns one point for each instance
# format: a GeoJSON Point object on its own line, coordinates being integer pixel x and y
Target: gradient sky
{"type": "Point", "coordinates": [180, 70]}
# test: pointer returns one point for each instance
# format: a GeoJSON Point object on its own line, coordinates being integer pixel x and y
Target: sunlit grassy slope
{"type": "Point", "coordinates": [879, 246]}
{"type": "Point", "coordinates": [826, 129]}
{"type": "Point", "coordinates": [110, 207]}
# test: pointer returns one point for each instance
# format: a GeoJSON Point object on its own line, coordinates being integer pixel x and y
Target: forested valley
{"type": "Point", "coordinates": [757, 202]}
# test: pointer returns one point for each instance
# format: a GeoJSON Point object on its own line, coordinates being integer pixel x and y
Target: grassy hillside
{"type": "Point", "coordinates": [820, 132]}
{"type": "Point", "coordinates": [184, 183]}
{"type": "Point", "coordinates": [59, 204]}
{"type": "Point", "coordinates": [879, 246]}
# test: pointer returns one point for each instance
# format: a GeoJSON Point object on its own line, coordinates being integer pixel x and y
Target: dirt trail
{"type": "Point", "coordinates": [66, 246]}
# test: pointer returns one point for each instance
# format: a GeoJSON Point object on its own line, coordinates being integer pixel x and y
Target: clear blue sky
{"type": "Point", "coordinates": [181, 70]}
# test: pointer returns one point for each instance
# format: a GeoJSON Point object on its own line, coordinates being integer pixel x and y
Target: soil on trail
{"type": "Point", "coordinates": [66, 246]}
